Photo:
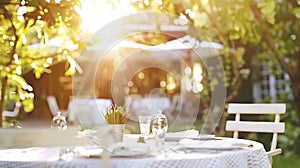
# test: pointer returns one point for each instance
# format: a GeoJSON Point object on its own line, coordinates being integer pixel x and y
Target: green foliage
{"type": "Point", "coordinates": [33, 36]}
{"type": "Point", "coordinates": [296, 11]}
{"type": "Point", "coordinates": [237, 24]}
{"type": "Point", "coordinates": [28, 105]}
{"type": "Point", "coordinates": [291, 161]}
{"type": "Point", "coordinates": [268, 10]}
{"type": "Point", "coordinates": [289, 141]}
{"type": "Point", "coordinates": [271, 26]}
{"type": "Point", "coordinates": [224, 23]}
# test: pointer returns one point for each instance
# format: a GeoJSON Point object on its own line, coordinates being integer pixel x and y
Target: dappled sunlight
{"type": "Point", "coordinates": [182, 63]}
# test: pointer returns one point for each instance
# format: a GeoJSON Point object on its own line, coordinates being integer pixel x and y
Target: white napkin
{"type": "Point", "coordinates": [129, 149]}
{"type": "Point", "coordinates": [189, 134]}
{"type": "Point", "coordinates": [182, 134]}
{"type": "Point", "coordinates": [209, 144]}
{"type": "Point", "coordinates": [88, 151]}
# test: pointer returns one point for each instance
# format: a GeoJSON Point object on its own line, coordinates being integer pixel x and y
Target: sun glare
{"type": "Point", "coordinates": [95, 14]}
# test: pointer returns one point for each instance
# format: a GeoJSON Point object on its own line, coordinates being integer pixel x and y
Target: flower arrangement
{"type": "Point", "coordinates": [116, 114]}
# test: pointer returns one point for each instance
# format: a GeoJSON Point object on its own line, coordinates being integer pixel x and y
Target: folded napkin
{"type": "Point", "coordinates": [88, 151]}
{"type": "Point", "coordinates": [129, 149]}
{"type": "Point", "coordinates": [209, 144]}
{"type": "Point", "coordinates": [188, 134]}
{"type": "Point", "coordinates": [183, 134]}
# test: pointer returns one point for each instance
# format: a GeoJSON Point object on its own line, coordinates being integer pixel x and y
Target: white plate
{"type": "Point", "coordinates": [199, 137]}
{"type": "Point", "coordinates": [131, 153]}
{"type": "Point", "coordinates": [96, 152]}
{"type": "Point", "coordinates": [216, 147]}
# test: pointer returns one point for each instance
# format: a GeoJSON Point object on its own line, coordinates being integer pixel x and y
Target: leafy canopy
{"type": "Point", "coordinates": [35, 34]}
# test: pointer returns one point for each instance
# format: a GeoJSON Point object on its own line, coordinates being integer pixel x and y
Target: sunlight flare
{"type": "Point", "coordinates": [95, 14]}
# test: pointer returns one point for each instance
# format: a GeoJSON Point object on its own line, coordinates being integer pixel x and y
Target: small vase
{"type": "Point", "coordinates": [117, 133]}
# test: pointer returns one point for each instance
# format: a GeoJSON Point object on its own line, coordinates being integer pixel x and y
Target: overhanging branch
{"type": "Point", "coordinates": [14, 47]}
{"type": "Point", "coordinates": [54, 55]}
{"type": "Point", "coordinates": [269, 41]}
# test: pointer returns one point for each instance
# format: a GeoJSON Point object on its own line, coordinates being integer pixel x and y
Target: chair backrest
{"type": "Point", "coordinates": [14, 113]}
{"type": "Point", "coordinates": [146, 105]}
{"type": "Point", "coordinates": [274, 127]}
{"type": "Point", "coordinates": [102, 104]}
{"type": "Point", "coordinates": [17, 108]}
{"type": "Point", "coordinates": [53, 104]}
{"type": "Point", "coordinates": [88, 112]}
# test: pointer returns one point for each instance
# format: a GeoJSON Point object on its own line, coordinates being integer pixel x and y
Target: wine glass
{"type": "Point", "coordinates": [59, 122]}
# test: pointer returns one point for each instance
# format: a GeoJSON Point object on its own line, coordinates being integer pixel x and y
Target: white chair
{"type": "Point", "coordinates": [12, 114]}
{"type": "Point", "coordinates": [88, 112]}
{"type": "Point", "coordinates": [146, 105]}
{"type": "Point", "coordinates": [54, 106]}
{"type": "Point", "coordinates": [274, 127]}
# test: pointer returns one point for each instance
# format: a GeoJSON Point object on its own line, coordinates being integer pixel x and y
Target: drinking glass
{"type": "Point", "coordinates": [145, 122]}
{"type": "Point", "coordinates": [59, 122]}
{"type": "Point", "coordinates": [160, 128]}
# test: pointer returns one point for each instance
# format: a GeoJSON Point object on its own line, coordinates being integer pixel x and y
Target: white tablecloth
{"type": "Point", "coordinates": [248, 157]}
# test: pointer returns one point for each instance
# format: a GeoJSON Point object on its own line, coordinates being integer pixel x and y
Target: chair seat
{"type": "Point", "coordinates": [274, 152]}
{"type": "Point", "coordinates": [9, 114]}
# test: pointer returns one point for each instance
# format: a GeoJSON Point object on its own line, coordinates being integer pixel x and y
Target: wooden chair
{"type": "Point", "coordinates": [257, 126]}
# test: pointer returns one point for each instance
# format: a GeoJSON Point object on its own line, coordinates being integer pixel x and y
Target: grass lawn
{"type": "Point", "coordinates": [283, 161]}
{"type": "Point", "coordinates": [132, 127]}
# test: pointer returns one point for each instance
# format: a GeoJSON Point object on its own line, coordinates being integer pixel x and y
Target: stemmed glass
{"type": "Point", "coordinates": [160, 128]}
{"type": "Point", "coordinates": [59, 122]}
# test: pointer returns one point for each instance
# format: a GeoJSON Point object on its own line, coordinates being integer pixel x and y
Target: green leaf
{"type": "Point", "coordinates": [18, 79]}
{"type": "Point", "coordinates": [37, 74]}
{"type": "Point", "coordinates": [28, 105]}
{"type": "Point", "coordinates": [296, 11]}
{"type": "Point", "coordinates": [268, 10]}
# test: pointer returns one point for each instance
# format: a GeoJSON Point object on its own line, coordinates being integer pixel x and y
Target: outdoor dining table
{"type": "Point", "coordinates": [251, 155]}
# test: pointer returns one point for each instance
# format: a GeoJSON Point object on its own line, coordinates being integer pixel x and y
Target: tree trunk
{"type": "Point", "coordinates": [2, 97]}
{"type": "Point", "coordinates": [297, 105]}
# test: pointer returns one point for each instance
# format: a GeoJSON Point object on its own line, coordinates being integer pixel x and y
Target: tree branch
{"type": "Point", "coordinates": [294, 3]}
{"type": "Point", "coordinates": [224, 40]}
{"type": "Point", "coordinates": [269, 41]}
{"type": "Point", "coordinates": [236, 79]}
{"type": "Point", "coordinates": [54, 55]}
{"type": "Point", "coordinates": [14, 47]}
